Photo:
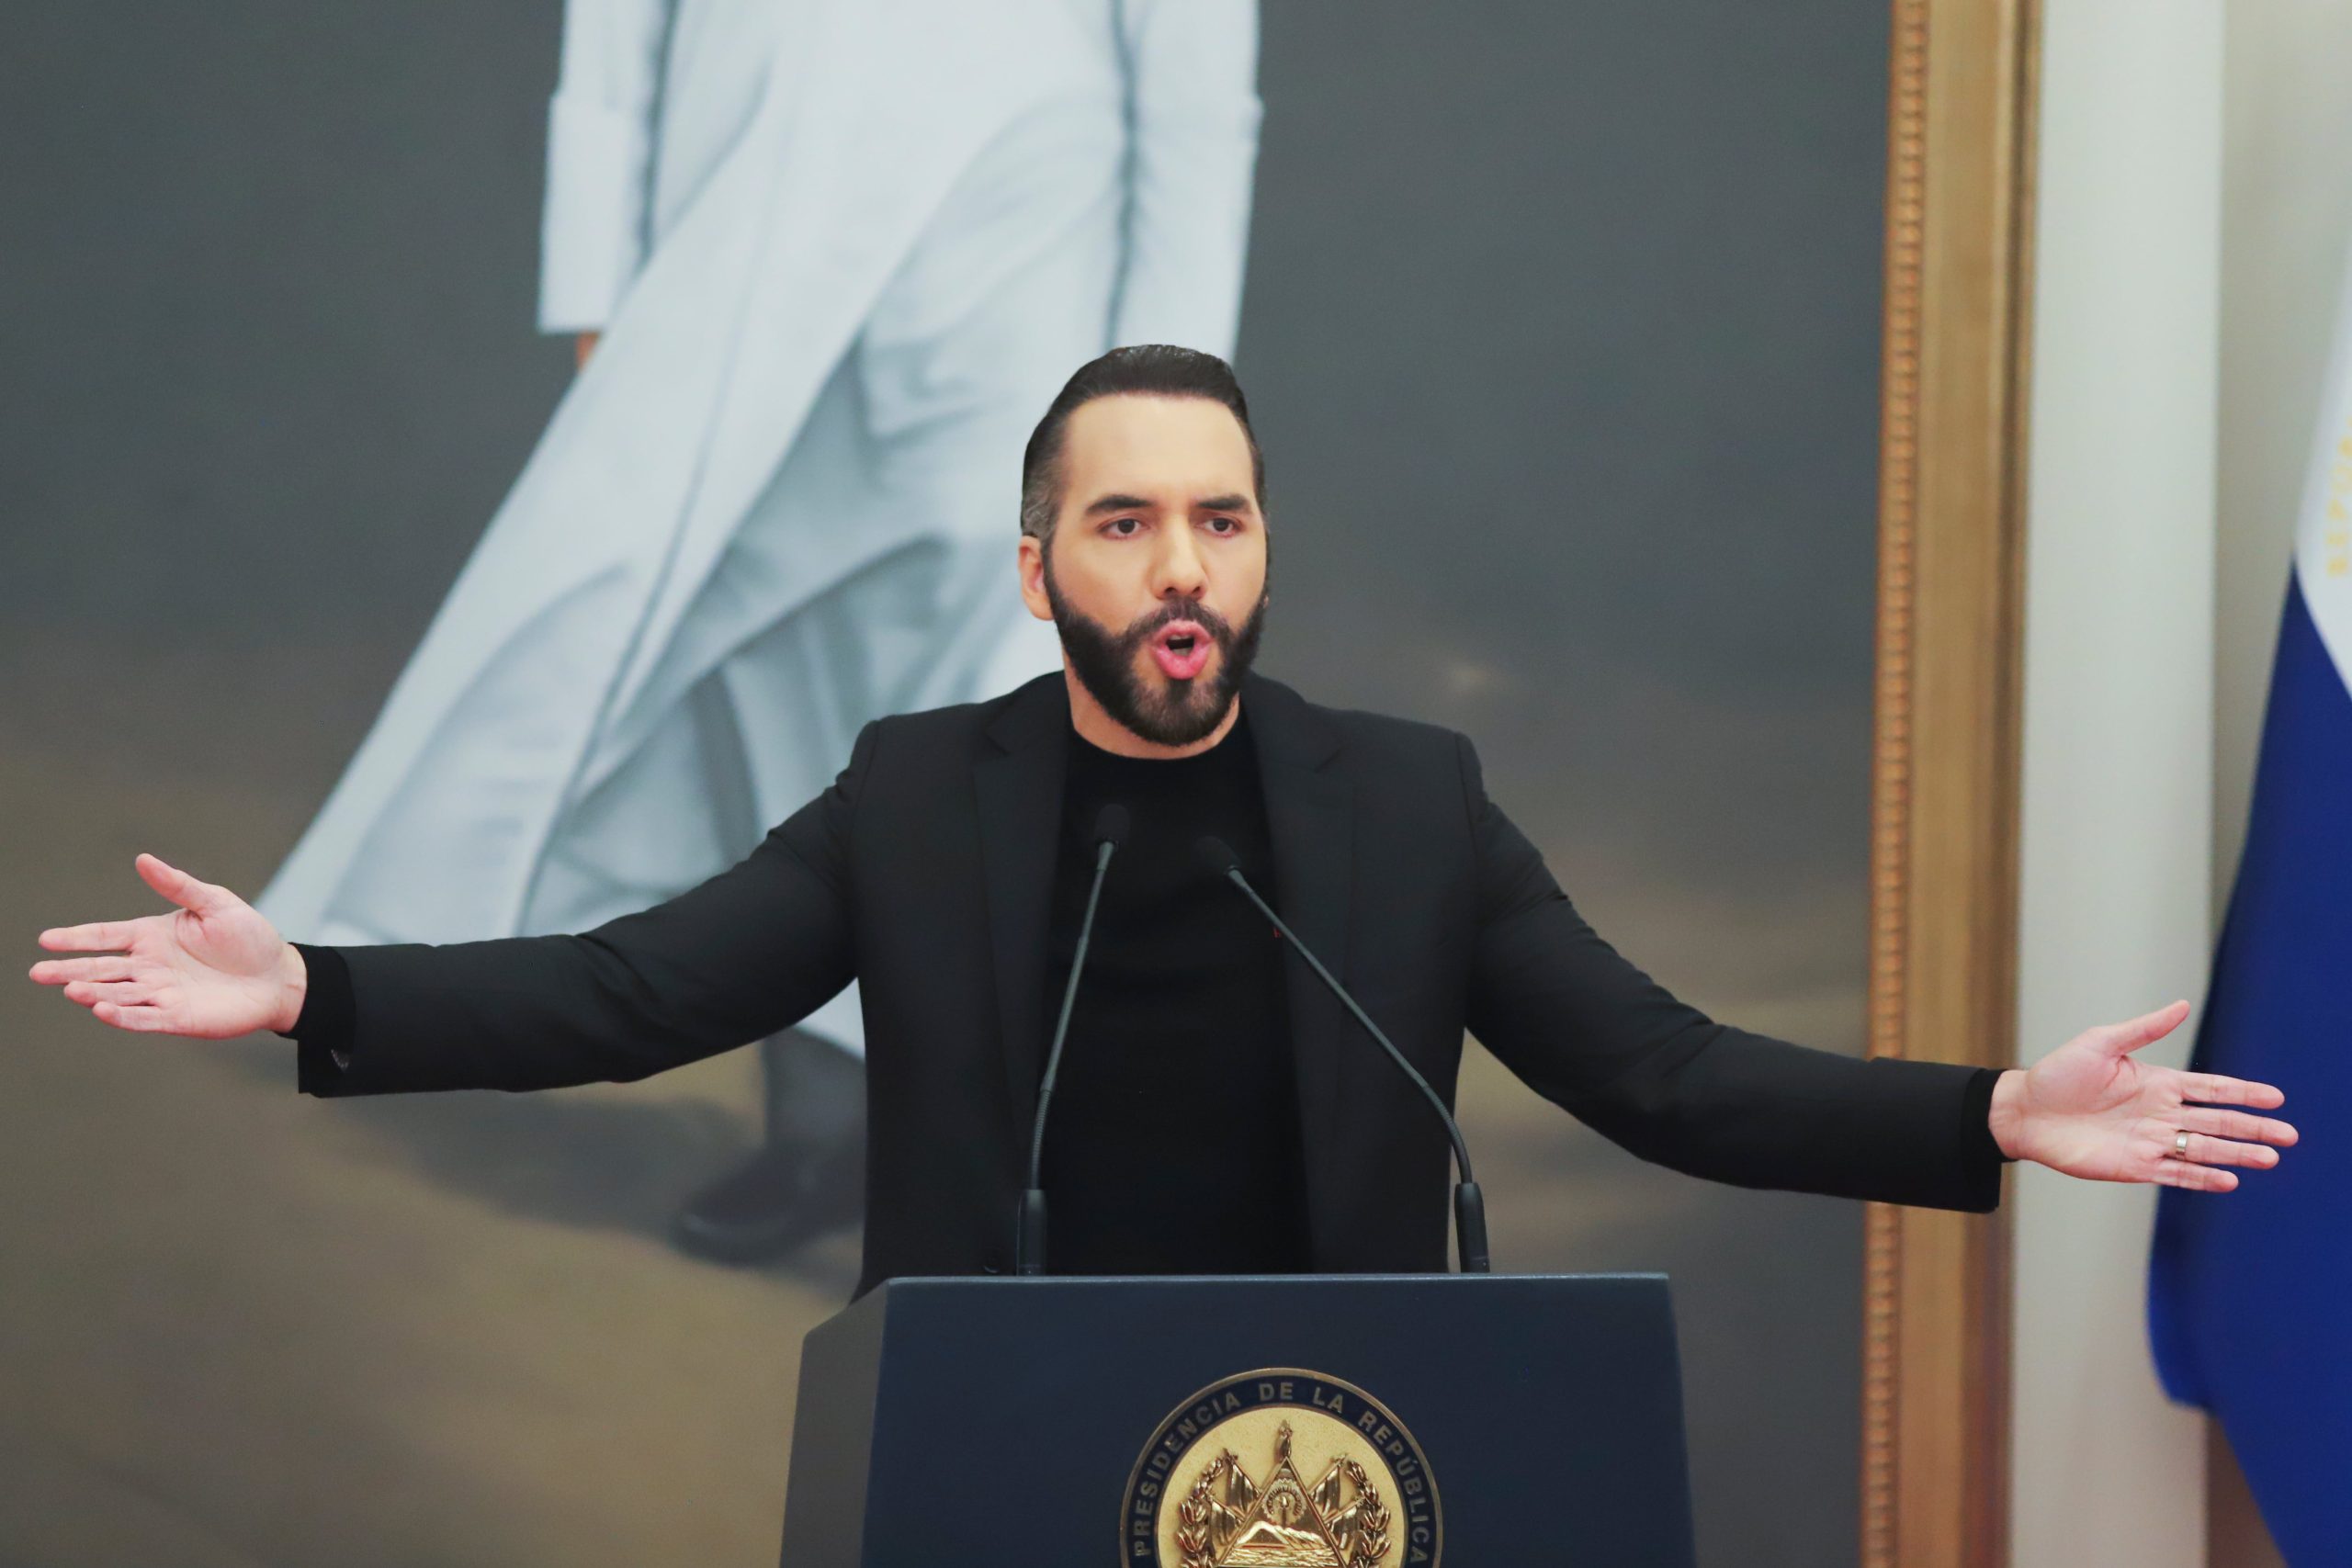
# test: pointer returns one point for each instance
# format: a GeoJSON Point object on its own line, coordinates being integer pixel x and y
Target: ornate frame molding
{"type": "Point", "coordinates": [1945, 754]}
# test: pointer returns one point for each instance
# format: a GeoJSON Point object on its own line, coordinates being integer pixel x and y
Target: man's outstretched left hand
{"type": "Point", "coordinates": [2089, 1109]}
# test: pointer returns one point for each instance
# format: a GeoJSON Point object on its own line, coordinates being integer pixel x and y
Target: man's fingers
{"type": "Point", "coordinates": [2219, 1124]}
{"type": "Point", "coordinates": [131, 993]}
{"type": "Point", "coordinates": [2206, 1150]}
{"type": "Point", "coordinates": [2211, 1088]}
{"type": "Point", "coordinates": [99, 936]}
{"type": "Point", "coordinates": [126, 992]}
{"type": "Point", "coordinates": [2195, 1177]}
{"type": "Point", "coordinates": [144, 1020]}
{"type": "Point", "coordinates": [57, 970]}
{"type": "Point", "coordinates": [176, 885]}
{"type": "Point", "coordinates": [2148, 1028]}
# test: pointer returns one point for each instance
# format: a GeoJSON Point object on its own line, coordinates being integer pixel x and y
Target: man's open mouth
{"type": "Point", "coordinates": [1182, 650]}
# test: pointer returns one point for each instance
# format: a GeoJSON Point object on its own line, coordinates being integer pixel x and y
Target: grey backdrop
{"type": "Point", "coordinates": [1561, 327]}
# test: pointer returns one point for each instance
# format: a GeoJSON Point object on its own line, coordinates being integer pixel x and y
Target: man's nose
{"type": "Point", "coordinates": [1178, 570]}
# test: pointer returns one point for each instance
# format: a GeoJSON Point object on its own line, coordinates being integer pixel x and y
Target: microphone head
{"type": "Point", "coordinates": [1216, 857]}
{"type": "Point", "coordinates": [1111, 826]}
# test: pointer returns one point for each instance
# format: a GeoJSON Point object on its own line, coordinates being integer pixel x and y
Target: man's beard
{"type": "Point", "coordinates": [1164, 712]}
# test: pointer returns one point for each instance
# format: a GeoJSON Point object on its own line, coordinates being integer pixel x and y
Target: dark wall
{"type": "Point", "coordinates": [266, 287]}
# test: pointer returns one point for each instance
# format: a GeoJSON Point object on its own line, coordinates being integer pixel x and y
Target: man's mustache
{"type": "Point", "coordinates": [1139, 630]}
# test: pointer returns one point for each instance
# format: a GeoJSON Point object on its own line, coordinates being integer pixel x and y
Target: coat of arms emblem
{"type": "Point", "coordinates": [1232, 1521]}
{"type": "Point", "coordinates": [1281, 1468]}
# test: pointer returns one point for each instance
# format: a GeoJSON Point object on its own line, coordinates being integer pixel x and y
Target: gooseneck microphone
{"type": "Point", "coordinates": [1029, 1238]}
{"type": "Point", "coordinates": [1469, 1203]}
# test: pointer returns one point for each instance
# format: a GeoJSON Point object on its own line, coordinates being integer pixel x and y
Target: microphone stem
{"type": "Point", "coordinates": [1031, 1244]}
{"type": "Point", "coordinates": [1469, 1203]}
{"type": "Point", "coordinates": [1461, 1150]}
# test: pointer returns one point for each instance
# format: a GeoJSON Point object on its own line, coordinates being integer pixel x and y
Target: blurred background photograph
{"type": "Point", "coordinates": [471, 471]}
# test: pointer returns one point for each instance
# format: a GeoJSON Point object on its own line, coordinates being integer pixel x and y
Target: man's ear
{"type": "Point", "coordinates": [1032, 578]}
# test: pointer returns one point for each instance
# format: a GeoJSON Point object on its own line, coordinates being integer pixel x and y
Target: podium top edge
{"type": "Point", "coordinates": [1293, 1281]}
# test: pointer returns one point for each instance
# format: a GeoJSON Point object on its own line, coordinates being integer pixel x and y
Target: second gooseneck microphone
{"type": "Point", "coordinates": [1469, 1203]}
{"type": "Point", "coordinates": [1029, 1238]}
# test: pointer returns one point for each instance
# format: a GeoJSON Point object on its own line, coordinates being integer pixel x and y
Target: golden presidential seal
{"type": "Point", "coordinates": [1281, 1468]}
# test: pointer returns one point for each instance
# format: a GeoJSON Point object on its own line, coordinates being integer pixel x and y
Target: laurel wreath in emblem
{"type": "Point", "coordinates": [1341, 1522]}
{"type": "Point", "coordinates": [1192, 1536]}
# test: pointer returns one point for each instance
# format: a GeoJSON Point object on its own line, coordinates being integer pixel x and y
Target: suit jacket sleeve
{"type": "Point", "coordinates": [1589, 1031]}
{"type": "Point", "coordinates": [748, 950]}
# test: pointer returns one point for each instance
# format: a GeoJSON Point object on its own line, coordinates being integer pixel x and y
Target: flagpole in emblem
{"type": "Point", "coordinates": [1224, 1483]}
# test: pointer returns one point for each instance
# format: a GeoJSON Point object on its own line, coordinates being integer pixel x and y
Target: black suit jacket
{"type": "Point", "coordinates": [924, 872]}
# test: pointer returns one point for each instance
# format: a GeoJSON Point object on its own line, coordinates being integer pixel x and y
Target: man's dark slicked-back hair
{"type": "Point", "coordinates": [1150, 370]}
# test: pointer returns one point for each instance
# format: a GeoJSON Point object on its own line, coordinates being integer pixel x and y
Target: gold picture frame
{"type": "Point", "coordinates": [1945, 750]}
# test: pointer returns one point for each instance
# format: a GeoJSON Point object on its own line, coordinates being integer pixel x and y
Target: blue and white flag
{"type": "Point", "coordinates": [2250, 1292]}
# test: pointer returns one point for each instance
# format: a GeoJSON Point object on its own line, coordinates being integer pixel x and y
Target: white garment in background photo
{"type": "Point", "coordinates": [843, 253]}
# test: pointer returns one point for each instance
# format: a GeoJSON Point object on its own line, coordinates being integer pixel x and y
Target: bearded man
{"type": "Point", "coordinates": [1217, 1110]}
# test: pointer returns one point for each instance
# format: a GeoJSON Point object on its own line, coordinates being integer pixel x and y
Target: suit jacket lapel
{"type": "Point", "coordinates": [1020, 793]}
{"type": "Point", "coordinates": [1310, 817]}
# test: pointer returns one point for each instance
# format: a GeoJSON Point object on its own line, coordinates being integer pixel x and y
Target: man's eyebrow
{"type": "Point", "coordinates": [1116, 502]}
{"type": "Point", "coordinates": [1234, 502]}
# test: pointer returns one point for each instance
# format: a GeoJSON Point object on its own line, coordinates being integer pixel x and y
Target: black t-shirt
{"type": "Point", "coordinates": [1174, 1145]}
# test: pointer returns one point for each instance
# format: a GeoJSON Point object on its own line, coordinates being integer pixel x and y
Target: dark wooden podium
{"type": "Point", "coordinates": [1486, 1421]}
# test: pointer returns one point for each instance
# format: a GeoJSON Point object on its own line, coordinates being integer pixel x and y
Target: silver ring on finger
{"type": "Point", "coordinates": [2180, 1144]}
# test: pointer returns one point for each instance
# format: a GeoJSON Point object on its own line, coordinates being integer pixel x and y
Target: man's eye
{"type": "Point", "coordinates": [1125, 527]}
{"type": "Point", "coordinates": [1225, 524]}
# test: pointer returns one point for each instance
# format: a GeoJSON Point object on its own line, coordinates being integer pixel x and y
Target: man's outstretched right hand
{"type": "Point", "coordinates": [213, 968]}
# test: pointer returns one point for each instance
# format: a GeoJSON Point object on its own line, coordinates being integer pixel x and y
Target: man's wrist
{"type": "Point", "coordinates": [2008, 1115]}
{"type": "Point", "coordinates": [293, 986]}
